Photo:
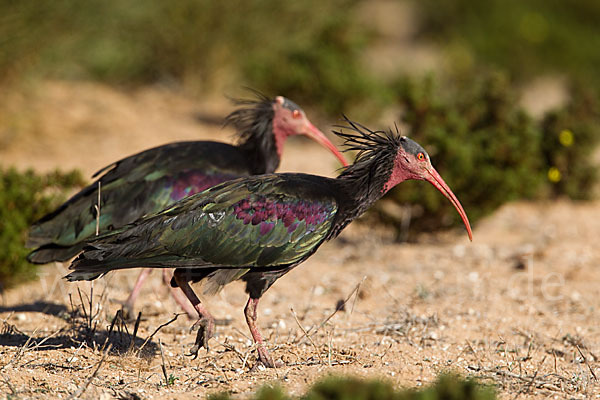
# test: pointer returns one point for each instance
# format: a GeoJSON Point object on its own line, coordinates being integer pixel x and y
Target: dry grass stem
{"type": "Point", "coordinates": [306, 334]}
{"type": "Point", "coordinates": [87, 383]}
{"type": "Point", "coordinates": [355, 290]}
{"type": "Point", "coordinates": [156, 331]}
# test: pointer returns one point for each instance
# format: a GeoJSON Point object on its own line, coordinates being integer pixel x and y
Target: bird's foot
{"type": "Point", "coordinates": [127, 312]}
{"type": "Point", "coordinates": [264, 359]}
{"type": "Point", "coordinates": [206, 329]}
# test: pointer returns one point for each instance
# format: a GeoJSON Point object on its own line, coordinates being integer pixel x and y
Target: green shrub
{"type": "Point", "coordinates": [447, 387]}
{"type": "Point", "coordinates": [322, 66]}
{"type": "Point", "coordinates": [306, 50]}
{"type": "Point", "coordinates": [570, 138]}
{"type": "Point", "coordinates": [525, 38]}
{"type": "Point", "coordinates": [24, 198]}
{"type": "Point", "coordinates": [486, 148]}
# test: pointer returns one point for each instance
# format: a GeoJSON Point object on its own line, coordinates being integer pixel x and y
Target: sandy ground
{"type": "Point", "coordinates": [517, 308]}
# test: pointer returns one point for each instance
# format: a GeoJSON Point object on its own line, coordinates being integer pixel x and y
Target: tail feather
{"type": "Point", "coordinates": [71, 217]}
{"type": "Point", "coordinates": [93, 263]}
{"type": "Point", "coordinates": [83, 276]}
{"type": "Point", "coordinates": [52, 252]}
{"type": "Point", "coordinates": [96, 261]}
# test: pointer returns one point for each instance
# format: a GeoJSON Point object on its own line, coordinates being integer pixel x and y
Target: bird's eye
{"type": "Point", "coordinates": [296, 114]}
{"type": "Point", "coordinates": [421, 157]}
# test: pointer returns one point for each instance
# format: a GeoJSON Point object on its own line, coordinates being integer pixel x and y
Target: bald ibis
{"type": "Point", "coordinates": [258, 228]}
{"type": "Point", "coordinates": [149, 181]}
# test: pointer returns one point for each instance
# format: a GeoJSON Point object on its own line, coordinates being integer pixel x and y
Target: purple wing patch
{"type": "Point", "coordinates": [266, 227]}
{"type": "Point", "coordinates": [266, 213]}
{"type": "Point", "coordinates": [192, 182]}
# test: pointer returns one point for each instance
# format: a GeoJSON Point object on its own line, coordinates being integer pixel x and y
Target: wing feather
{"type": "Point", "coordinates": [250, 222]}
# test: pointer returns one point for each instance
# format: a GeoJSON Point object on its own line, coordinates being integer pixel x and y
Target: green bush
{"type": "Point", "coordinates": [322, 67]}
{"type": "Point", "coordinates": [570, 138]}
{"type": "Point", "coordinates": [24, 198]}
{"type": "Point", "coordinates": [486, 148]}
{"type": "Point", "coordinates": [489, 150]}
{"type": "Point", "coordinates": [525, 38]}
{"type": "Point", "coordinates": [306, 50]}
{"type": "Point", "coordinates": [447, 387]}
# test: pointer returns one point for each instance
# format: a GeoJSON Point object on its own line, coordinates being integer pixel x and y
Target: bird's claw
{"type": "Point", "coordinates": [127, 312]}
{"type": "Point", "coordinates": [265, 359]}
{"type": "Point", "coordinates": [205, 328]}
{"type": "Point", "coordinates": [194, 351]}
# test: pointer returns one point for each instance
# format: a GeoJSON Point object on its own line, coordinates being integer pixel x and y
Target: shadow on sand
{"type": "Point", "coordinates": [41, 306]}
{"type": "Point", "coordinates": [119, 337]}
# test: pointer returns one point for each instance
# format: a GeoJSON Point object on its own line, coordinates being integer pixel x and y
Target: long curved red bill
{"type": "Point", "coordinates": [437, 181]}
{"type": "Point", "coordinates": [314, 133]}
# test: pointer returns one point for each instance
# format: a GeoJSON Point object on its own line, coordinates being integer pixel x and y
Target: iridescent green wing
{"type": "Point", "coordinates": [141, 184]}
{"type": "Point", "coordinates": [266, 221]}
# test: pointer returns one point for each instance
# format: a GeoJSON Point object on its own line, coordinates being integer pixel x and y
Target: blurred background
{"type": "Point", "coordinates": [503, 94]}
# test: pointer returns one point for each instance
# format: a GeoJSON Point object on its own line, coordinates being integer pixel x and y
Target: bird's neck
{"type": "Point", "coordinates": [261, 150]}
{"type": "Point", "coordinates": [360, 187]}
{"type": "Point", "coordinates": [254, 125]}
{"type": "Point", "coordinates": [361, 197]}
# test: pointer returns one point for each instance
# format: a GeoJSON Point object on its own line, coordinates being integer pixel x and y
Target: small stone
{"type": "Point", "coordinates": [459, 251]}
{"type": "Point", "coordinates": [473, 276]}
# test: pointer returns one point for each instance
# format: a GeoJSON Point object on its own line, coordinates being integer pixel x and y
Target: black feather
{"type": "Point", "coordinates": [253, 121]}
{"type": "Point", "coordinates": [375, 158]}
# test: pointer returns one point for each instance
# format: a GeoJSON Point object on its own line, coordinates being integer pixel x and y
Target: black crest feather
{"type": "Point", "coordinates": [376, 151]}
{"type": "Point", "coordinates": [253, 122]}
{"type": "Point", "coordinates": [368, 143]}
{"type": "Point", "coordinates": [252, 118]}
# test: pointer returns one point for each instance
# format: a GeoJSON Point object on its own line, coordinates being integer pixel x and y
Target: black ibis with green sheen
{"type": "Point", "coordinates": [150, 181]}
{"type": "Point", "coordinates": [258, 228]}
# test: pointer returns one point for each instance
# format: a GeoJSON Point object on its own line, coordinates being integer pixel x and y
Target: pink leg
{"type": "Point", "coordinates": [178, 295]}
{"type": "Point", "coordinates": [263, 354]}
{"type": "Point", "coordinates": [128, 305]}
{"type": "Point", "coordinates": [205, 323]}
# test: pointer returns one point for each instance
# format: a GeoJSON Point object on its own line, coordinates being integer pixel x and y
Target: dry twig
{"type": "Point", "coordinates": [87, 383]}
{"type": "Point", "coordinates": [135, 330]}
{"type": "Point", "coordinates": [162, 365]}
{"type": "Point", "coordinates": [306, 334]}
{"type": "Point", "coordinates": [355, 290]}
{"type": "Point", "coordinates": [158, 329]}
{"type": "Point", "coordinates": [10, 386]}
{"type": "Point", "coordinates": [586, 362]}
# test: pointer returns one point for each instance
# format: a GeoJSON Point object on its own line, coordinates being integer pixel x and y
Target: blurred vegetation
{"type": "Point", "coordinates": [570, 137]}
{"type": "Point", "coordinates": [526, 38]}
{"type": "Point", "coordinates": [489, 150]}
{"type": "Point", "coordinates": [24, 198]}
{"type": "Point", "coordinates": [447, 387]}
{"type": "Point", "coordinates": [486, 147]}
{"type": "Point", "coordinates": [306, 50]}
